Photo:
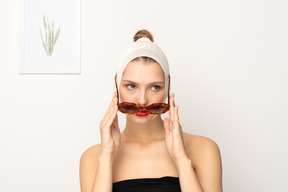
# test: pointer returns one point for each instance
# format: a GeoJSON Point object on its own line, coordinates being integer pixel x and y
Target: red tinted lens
{"type": "Point", "coordinates": [127, 108]}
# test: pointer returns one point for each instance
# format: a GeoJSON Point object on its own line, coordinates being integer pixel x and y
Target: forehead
{"type": "Point", "coordinates": [140, 71]}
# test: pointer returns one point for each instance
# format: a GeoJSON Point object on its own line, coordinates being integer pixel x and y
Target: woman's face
{"type": "Point", "coordinates": [143, 84]}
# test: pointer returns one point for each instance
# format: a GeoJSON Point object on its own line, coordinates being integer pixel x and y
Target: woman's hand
{"type": "Point", "coordinates": [174, 135]}
{"type": "Point", "coordinates": [110, 132]}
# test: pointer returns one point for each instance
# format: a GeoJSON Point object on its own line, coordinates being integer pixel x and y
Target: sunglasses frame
{"type": "Point", "coordinates": [143, 108]}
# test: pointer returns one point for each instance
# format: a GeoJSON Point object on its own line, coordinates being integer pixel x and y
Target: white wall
{"type": "Point", "coordinates": [229, 70]}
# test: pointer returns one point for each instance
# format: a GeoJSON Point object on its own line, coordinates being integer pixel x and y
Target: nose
{"type": "Point", "coordinates": [142, 99]}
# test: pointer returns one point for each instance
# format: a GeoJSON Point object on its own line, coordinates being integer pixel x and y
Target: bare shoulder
{"type": "Point", "coordinates": [90, 156]}
{"type": "Point", "coordinates": [198, 140]}
{"type": "Point", "coordinates": [200, 147]}
{"type": "Point", "coordinates": [206, 160]}
{"type": "Point", "coordinates": [88, 166]}
{"type": "Point", "coordinates": [92, 152]}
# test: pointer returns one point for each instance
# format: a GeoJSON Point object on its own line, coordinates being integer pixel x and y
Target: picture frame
{"type": "Point", "coordinates": [50, 35]}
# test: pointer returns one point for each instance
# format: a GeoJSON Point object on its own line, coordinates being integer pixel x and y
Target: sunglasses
{"type": "Point", "coordinates": [133, 108]}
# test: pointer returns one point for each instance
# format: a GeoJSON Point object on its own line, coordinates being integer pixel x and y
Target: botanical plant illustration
{"type": "Point", "coordinates": [50, 37]}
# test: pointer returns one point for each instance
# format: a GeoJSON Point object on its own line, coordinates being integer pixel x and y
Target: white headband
{"type": "Point", "coordinates": [143, 47]}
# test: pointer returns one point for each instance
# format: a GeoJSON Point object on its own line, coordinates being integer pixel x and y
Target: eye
{"type": "Point", "coordinates": [130, 86]}
{"type": "Point", "coordinates": [156, 87]}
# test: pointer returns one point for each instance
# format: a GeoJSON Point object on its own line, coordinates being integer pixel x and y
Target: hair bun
{"type": "Point", "coordinates": [143, 33]}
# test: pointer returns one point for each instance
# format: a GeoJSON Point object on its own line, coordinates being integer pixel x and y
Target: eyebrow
{"type": "Point", "coordinates": [156, 82]}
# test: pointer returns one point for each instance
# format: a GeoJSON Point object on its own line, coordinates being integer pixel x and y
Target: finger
{"type": "Point", "coordinates": [177, 113]}
{"type": "Point", "coordinates": [113, 100]}
{"type": "Point", "coordinates": [177, 117]}
{"type": "Point", "coordinates": [111, 112]}
{"type": "Point", "coordinates": [171, 114]}
{"type": "Point", "coordinates": [167, 126]}
{"type": "Point", "coordinates": [111, 118]}
{"type": "Point", "coordinates": [172, 107]}
{"type": "Point", "coordinates": [110, 108]}
{"type": "Point", "coordinates": [115, 122]}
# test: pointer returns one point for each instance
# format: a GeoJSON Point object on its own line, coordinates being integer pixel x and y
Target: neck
{"type": "Point", "coordinates": [144, 133]}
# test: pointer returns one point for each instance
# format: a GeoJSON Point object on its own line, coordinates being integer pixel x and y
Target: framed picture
{"type": "Point", "coordinates": [50, 36]}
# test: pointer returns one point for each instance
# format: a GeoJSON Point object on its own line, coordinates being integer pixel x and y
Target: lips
{"type": "Point", "coordinates": [142, 113]}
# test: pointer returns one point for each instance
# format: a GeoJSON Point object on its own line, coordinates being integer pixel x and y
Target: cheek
{"type": "Point", "coordinates": [158, 97]}
{"type": "Point", "coordinates": [125, 96]}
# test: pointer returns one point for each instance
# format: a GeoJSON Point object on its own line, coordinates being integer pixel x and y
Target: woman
{"type": "Point", "coordinates": [150, 154]}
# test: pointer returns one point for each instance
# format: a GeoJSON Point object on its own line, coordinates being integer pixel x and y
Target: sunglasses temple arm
{"type": "Point", "coordinates": [117, 89]}
{"type": "Point", "coordinates": [169, 93]}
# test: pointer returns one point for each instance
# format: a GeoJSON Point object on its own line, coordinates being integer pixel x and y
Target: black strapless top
{"type": "Point", "coordinates": [163, 184]}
